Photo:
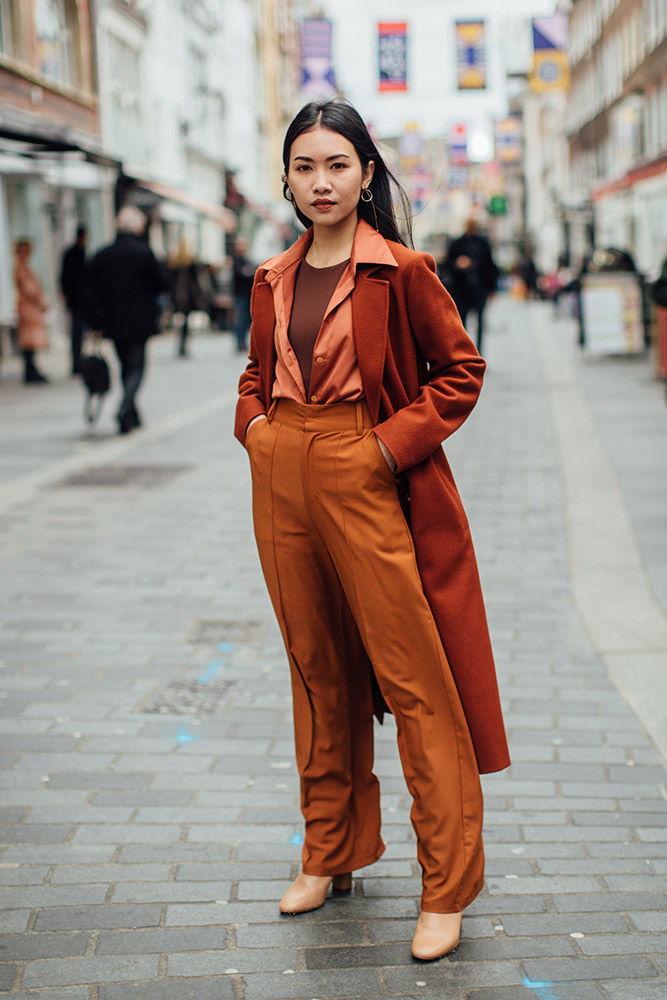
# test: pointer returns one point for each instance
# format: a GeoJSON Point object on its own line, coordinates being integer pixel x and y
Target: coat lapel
{"type": "Point", "coordinates": [370, 316]}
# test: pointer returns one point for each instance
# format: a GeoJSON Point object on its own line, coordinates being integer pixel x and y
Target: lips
{"type": "Point", "coordinates": [323, 203]}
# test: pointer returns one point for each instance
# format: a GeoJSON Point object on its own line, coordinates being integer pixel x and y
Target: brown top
{"type": "Point", "coordinates": [312, 293]}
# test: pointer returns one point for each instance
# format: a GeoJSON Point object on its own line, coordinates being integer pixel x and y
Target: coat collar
{"type": "Point", "coordinates": [368, 248]}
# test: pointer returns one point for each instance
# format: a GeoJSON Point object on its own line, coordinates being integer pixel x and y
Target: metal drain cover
{"type": "Point", "coordinates": [124, 475]}
{"type": "Point", "coordinates": [191, 698]}
{"type": "Point", "coordinates": [234, 631]}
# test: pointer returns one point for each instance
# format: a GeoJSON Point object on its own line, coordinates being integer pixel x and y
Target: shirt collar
{"type": "Point", "coordinates": [368, 248]}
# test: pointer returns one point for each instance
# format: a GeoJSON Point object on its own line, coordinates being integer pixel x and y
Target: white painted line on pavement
{"type": "Point", "coordinates": [611, 587]}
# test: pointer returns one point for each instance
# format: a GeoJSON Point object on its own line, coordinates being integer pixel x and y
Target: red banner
{"type": "Point", "coordinates": [392, 52]}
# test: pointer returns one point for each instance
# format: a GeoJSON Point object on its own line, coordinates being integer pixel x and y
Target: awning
{"type": "Point", "coordinates": [217, 213]}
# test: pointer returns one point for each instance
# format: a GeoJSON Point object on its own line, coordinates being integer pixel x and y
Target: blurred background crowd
{"type": "Point", "coordinates": [538, 127]}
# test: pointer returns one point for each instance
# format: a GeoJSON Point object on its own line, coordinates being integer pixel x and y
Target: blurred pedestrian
{"type": "Point", "coordinates": [31, 306]}
{"type": "Point", "coordinates": [529, 274]}
{"type": "Point", "coordinates": [72, 284]}
{"type": "Point", "coordinates": [186, 294]}
{"type": "Point", "coordinates": [243, 275]}
{"type": "Point", "coordinates": [359, 367]}
{"type": "Point", "coordinates": [474, 275]}
{"type": "Point", "coordinates": [125, 281]}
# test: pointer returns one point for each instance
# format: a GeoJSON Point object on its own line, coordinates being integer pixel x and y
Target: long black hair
{"type": "Point", "coordinates": [339, 116]}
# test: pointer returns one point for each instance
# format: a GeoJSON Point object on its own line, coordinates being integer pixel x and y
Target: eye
{"type": "Point", "coordinates": [337, 166]}
{"type": "Point", "coordinates": [302, 167]}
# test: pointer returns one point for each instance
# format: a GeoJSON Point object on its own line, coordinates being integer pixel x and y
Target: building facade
{"type": "Point", "coordinates": [53, 171]}
{"type": "Point", "coordinates": [616, 123]}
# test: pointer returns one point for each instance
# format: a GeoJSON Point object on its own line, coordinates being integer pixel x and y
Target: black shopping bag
{"type": "Point", "coordinates": [94, 371]}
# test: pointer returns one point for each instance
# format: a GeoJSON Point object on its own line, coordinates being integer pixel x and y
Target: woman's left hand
{"type": "Point", "coordinates": [388, 457]}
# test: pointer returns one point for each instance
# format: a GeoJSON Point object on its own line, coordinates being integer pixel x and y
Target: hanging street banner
{"type": "Point", "coordinates": [317, 78]}
{"type": "Point", "coordinates": [393, 55]}
{"type": "Point", "coordinates": [550, 66]}
{"type": "Point", "coordinates": [507, 136]}
{"type": "Point", "coordinates": [471, 55]}
{"type": "Point", "coordinates": [458, 145]}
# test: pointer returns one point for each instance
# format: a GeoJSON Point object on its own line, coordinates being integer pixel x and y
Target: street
{"type": "Point", "coordinates": [149, 791]}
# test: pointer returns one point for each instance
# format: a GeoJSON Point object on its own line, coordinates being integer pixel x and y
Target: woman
{"type": "Point", "coordinates": [31, 305]}
{"type": "Point", "coordinates": [359, 368]}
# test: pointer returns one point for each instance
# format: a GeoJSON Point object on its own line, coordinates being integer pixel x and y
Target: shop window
{"type": "Point", "coordinates": [6, 28]}
{"type": "Point", "coordinates": [57, 35]}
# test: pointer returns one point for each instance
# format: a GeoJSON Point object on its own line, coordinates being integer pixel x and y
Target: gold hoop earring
{"type": "Point", "coordinates": [369, 198]}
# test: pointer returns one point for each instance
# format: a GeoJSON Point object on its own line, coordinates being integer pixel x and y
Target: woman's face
{"type": "Point", "coordinates": [325, 176]}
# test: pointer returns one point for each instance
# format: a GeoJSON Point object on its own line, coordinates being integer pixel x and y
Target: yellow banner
{"type": "Point", "coordinates": [551, 71]}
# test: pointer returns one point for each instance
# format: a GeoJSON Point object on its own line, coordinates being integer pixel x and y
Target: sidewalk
{"type": "Point", "coordinates": [147, 844]}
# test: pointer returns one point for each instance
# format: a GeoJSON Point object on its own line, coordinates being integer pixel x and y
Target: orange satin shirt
{"type": "Point", "coordinates": [335, 377]}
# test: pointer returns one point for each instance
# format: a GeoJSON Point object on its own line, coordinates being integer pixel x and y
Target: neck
{"type": "Point", "coordinates": [332, 244]}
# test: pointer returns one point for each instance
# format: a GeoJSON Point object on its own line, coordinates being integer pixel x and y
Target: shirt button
{"type": "Point", "coordinates": [313, 399]}
{"type": "Point", "coordinates": [320, 360]}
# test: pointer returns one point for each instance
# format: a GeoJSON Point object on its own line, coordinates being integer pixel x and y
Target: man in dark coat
{"type": "Point", "coordinates": [473, 275]}
{"type": "Point", "coordinates": [125, 280]}
{"type": "Point", "coordinates": [244, 274]}
{"type": "Point", "coordinates": [72, 284]}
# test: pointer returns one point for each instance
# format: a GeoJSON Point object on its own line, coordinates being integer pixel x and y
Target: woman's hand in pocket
{"type": "Point", "coordinates": [387, 455]}
{"type": "Point", "coordinates": [255, 420]}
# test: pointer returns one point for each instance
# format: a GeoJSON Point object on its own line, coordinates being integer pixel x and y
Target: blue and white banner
{"type": "Point", "coordinates": [317, 78]}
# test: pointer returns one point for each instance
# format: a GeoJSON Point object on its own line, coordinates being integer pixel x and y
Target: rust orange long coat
{"type": "Point", "coordinates": [421, 376]}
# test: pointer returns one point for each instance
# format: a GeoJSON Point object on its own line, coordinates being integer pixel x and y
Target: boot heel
{"type": "Point", "coordinates": [342, 884]}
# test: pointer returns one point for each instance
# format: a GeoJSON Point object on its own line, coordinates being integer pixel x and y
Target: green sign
{"type": "Point", "coordinates": [497, 204]}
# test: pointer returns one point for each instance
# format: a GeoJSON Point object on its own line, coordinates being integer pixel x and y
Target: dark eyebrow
{"type": "Point", "coordinates": [338, 156]}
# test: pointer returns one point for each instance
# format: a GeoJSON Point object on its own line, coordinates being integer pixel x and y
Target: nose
{"type": "Point", "coordinates": [321, 182]}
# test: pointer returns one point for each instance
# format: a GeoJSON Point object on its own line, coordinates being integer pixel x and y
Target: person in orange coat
{"type": "Point", "coordinates": [31, 305]}
{"type": "Point", "coordinates": [359, 367]}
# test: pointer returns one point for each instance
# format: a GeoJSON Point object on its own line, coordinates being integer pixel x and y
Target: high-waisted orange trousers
{"type": "Point", "coordinates": [340, 567]}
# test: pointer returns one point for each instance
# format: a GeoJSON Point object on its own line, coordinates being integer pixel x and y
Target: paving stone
{"type": "Point", "coordinates": [47, 833]}
{"type": "Point", "coordinates": [297, 934]}
{"type": "Point", "coordinates": [19, 947]}
{"type": "Point", "coordinates": [161, 941]}
{"type": "Point", "coordinates": [54, 854]}
{"type": "Point", "coordinates": [104, 833]}
{"type": "Point", "coordinates": [649, 920]}
{"type": "Point", "coordinates": [634, 991]}
{"type": "Point", "coordinates": [617, 901]}
{"type": "Point", "coordinates": [176, 853]}
{"type": "Point", "coordinates": [97, 918]}
{"type": "Point", "coordinates": [250, 960]}
{"type": "Point", "coordinates": [110, 873]}
{"type": "Point", "coordinates": [13, 921]}
{"type": "Point", "coordinates": [216, 988]}
{"type": "Point", "coordinates": [502, 950]}
{"type": "Point", "coordinates": [244, 871]}
{"type": "Point", "coordinates": [81, 993]}
{"type": "Point", "coordinates": [566, 991]}
{"type": "Point", "coordinates": [307, 985]}
{"type": "Point", "coordinates": [447, 975]}
{"type": "Point", "coordinates": [369, 956]}
{"type": "Point", "coordinates": [170, 892]}
{"type": "Point", "coordinates": [74, 971]}
{"type": "Point", "coordinates": [549, 923]}
{"type": "Point", "coordinates": [630, 944]}
{"type": "Point", "coordinates": [7, 977]}
{"type": "Point", "coordinates": [586, 969]}
{"type": "Point", "coordinates": [54, 895]}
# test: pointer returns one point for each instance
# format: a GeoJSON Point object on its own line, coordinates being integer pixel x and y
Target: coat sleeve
{"type": "Point", "coordinates": [454, 378]}
{"type": "Point", "coordinates": [250, 402]}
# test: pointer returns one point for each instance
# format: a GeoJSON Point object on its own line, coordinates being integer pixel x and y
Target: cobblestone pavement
{"type": "Point", "coordinates": [149, 795]}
